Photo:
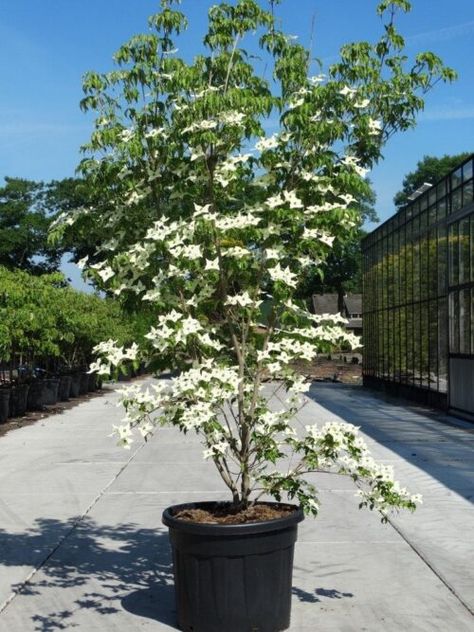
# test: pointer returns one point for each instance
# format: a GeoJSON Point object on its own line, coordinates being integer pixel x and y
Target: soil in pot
{"type": "Point", "coordinates": [225, 514]}
{"type": "Point", "coordinates": [4, 403]}
{"type": "Point", "coordinates": [19, 400]}
{"type": "Point", "coordinates": [64, 388]}
{"type": "Point", "coordinates": [233, 575]}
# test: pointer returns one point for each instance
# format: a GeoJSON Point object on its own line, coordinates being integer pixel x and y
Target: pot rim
{"type": "Point", "coordinates": [247, 528]}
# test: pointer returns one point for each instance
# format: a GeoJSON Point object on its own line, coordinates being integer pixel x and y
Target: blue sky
{"type": "Point", "coordinates": [47, 46]}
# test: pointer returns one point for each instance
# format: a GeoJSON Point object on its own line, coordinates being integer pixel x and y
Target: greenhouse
{"type": "Point", "coordinates": [419, 296]}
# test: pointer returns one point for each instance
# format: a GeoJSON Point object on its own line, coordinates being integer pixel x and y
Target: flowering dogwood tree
{"type": "Point", "coordinates": [212, 220]}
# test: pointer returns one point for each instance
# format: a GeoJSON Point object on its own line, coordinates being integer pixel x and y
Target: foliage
{"type": "Point", "coordinates": [43, 320]}
{"type": "Point", "coordinates": [341, 272]}
{"type": "Point", "coordinates": [72, 195]}
{"type": "Point", "coordinates": [428, 169]}
{"type": "Point", "coordinates": [207, 219]}
{"type": "Point", "coordinates": [24, 225]}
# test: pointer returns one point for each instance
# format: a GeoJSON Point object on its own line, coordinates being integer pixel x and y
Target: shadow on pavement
{"type": "Point", "coordinates": [315, 597]}
{"type": "Point", "coordinates": [101, 568]}
{"type": "Point", "coordinates": [107, 569]}
{"type": "Point", "coordinates": [420, 436]}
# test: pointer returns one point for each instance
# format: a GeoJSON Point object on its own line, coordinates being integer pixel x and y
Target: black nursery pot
{"type": "Point", "coordinates": [64, 387]}
{"type": "Point", "coordinates": [50, 395]}
{"type": "Point", "coordinates": [84, 384]}
{"type": "Point", "coordinates": [75, 385]}
{"type": "Point", "coordinates": [19, 399]}
{"type": "Point", "coordinates": [92, 382]}
{"type": "Point", "coordinates": [232, 578]}
{"type": "Point", "coordinates": [36, 395]}
{"type": "Point", "coordinates": [4, 404]}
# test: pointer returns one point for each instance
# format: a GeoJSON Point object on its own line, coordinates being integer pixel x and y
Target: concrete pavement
{"type": "Point", "coordinates": [82, 546]}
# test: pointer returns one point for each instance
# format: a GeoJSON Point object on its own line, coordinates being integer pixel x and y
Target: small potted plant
{"type": "Point", "coordinates": [212, 220]}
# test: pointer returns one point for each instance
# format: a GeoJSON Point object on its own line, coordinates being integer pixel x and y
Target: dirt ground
{"type": "Point", "coordinates": [335, 369]}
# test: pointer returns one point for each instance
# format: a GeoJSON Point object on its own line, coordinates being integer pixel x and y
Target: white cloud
{"type": "Point", "coordinates": [444, 34]}
{"type": "Point", "coordinates": [448, 113]}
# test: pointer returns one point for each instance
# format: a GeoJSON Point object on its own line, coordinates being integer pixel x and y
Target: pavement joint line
{"type": "Point", "coordinates": [431, 566]}
{"type": "Point", "coordinates": [61, 541]}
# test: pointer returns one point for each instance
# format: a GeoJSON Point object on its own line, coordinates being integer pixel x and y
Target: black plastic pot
{"type": "Point", "coordinates": [232, 578]}
{"type": "Point", "coordinates": [84, 383]}
{"type": "Point", "coordinates": [50, 395]}
{"type": "Point", "coordinates": [36, 395]}
{"type": "Point", "coordinates": [92, 382]}
{"type": "Point", "coordinates": [75, 385]}
{"type": "Point", "coordinates": [4, 403]}
{"type": "Point", "coordinates": [19, 399]}
{"type": "Point", "coordinates": [64, 388]}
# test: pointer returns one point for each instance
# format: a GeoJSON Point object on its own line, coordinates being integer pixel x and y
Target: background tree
{"type": "Point", "coordinates": [24, 225]}
{"type": "Point", "coordinates": [68, 197]}
{"type": "Point", "coordinates": [428, 169]}
{"type": "Point", "coordinates": [341, 272]}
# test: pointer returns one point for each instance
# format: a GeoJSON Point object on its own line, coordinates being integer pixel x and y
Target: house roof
{"type": "Point", "coordinates": [328, 304]}
{"type": "Point", "coordinates": [353, 303]}
{"type": "Point", "coordinates": [325, 303]}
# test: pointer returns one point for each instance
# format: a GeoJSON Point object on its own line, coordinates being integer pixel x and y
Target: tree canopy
{"type": "Point", "coordinates": [24, 225]}
{"type": "Point", "coordinates": [206, 217]}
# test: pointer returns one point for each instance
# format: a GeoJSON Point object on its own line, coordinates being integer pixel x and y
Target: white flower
{"type": "Point", "coordinates": [126, 135]}
{"type": "Point", "coordinates": [346, 91]}
{"type": "Point", "coordinates": [284, 275]}
{"type": "Point", "coordinates": [274, 201]}
{"type": "Point", "coordinates": [362, 104]}
{"type": "Point", "coordinates": [201, 126]}
{"type": "Point", "coordinates": [190, 326]}
{"type": "Point", "coordinates": [236, 251]}
{"type": "Point", "coordinates": [296, 103]}
{"type": "Point", "coordinates": [274, 367]}
{"type": "Point", "coordinates": [124, 434]}
{"type": "Point", "coordinates": [133, 198]}
{"type": "Point", "coordinates": [132, 352]}
{"type": "Point", "coordinates": [106, 273]}
{"type": "Point", "coordinates": [82, 262]}
{"type": "Point", "coordinates": [207, 341]}
{"type": "Point", "coordinates": [292, 199]}
{"type": "Point", "coordinates": [156, 131]}
{"type": "Point", "coordinates": [312, 504]}
{"type": "Point", "coordinates": [232, 118]}
{"type": "Point", "coordinates": [375, 127]}
{"type": "Point", "coordinates": [212, 264]}
{"type": "Point", "coordinates": [326, 239]}
{"type": "Point", "coordinates": [352, 161]}
{"type": "Point", "coordinates": [267, 143]}
{"type": "Point", "coordinates": [202, 211]}
{"type": "Point", "coordinates": [191, 252]}
{"type": "Point", "coordinates": [243, 299]}
{"type": "Point", "coordinates": [271, 253]}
